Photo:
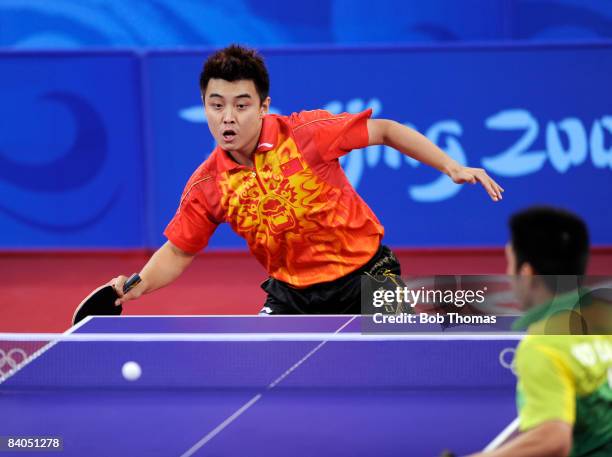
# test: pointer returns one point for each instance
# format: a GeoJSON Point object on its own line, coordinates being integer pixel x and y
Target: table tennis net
{"type": "Point", "coordinates": [37, 361]}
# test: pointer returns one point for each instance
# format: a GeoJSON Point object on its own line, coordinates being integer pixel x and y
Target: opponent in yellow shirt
{"type": "Point", "coordinates": [564, 364]}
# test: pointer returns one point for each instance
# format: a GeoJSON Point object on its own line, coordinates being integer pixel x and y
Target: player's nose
{"type": "Point", "coordinates": [228, 116]}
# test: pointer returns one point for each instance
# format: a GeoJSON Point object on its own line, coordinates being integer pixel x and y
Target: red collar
{"type": "Point", "coordinates": [267, 142]}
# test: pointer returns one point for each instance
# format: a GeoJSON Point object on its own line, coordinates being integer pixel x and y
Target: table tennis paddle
{"type": "Point", "coordinates": [101, 302]}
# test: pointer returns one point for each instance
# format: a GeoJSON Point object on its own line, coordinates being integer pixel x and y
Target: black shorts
{"type": "Point", "coordinates": [341, 296]}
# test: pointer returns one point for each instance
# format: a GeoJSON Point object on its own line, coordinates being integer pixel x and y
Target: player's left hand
{"type": "Point", "coordinates": [462, 175]}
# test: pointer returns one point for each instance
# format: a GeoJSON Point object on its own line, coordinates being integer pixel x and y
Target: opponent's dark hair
{"type": "Point", "coordinates": [551, 240]}
{"type": "Point", "coordinates": [236, 63]}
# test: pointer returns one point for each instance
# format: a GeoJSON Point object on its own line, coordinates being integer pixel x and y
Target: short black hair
{"type": "Point", "coordinates": [553, 241]}
{"type": "Point", "coordinates": [236, 63]}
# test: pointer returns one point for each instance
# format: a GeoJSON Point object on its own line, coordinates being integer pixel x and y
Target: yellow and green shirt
{"type": "Point", "coordinates": [566, 378]}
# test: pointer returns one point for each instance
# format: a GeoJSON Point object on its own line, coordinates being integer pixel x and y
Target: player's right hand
{"type": "Point", "coordinates": [133, 294]}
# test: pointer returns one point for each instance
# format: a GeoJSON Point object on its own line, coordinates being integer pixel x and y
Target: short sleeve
{"type": "Point", "coordinates": [192, 225]}
{"type": "Point", "coordinates": [331, 135]}
{"type": "Point", "coordinates": [546, 389]}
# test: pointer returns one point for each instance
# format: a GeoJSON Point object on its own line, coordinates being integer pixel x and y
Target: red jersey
{"type": "Point", "coordinates": [299, 214]}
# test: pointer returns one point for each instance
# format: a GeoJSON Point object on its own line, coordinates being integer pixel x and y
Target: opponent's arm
{"type": "Point", "coordinates": [549, 439]}
{"type": "Point", "coordinates": [417, 146]}
{"type": "Point", "coordinates": [163, 267]}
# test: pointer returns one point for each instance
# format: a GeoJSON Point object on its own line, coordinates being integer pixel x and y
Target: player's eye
{"type": "Point", "coordinates": [242, 106]}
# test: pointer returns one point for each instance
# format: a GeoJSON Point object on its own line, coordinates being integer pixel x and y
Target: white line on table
{"type": "Point", "coordinates": [503, 436]}
{"type": "Point", "coordinates": [218, 429]}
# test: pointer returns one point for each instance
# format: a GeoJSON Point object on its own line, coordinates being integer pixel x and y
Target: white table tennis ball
{"type": "Point", "coordinates": [131, 371]}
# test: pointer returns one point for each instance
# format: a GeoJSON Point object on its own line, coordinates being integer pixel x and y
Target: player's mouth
{"type": "Point", "coordinates": [229, 135]}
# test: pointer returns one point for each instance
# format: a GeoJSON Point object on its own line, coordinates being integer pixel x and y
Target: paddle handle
{"type": "Point", "coordinates": [132, 282]}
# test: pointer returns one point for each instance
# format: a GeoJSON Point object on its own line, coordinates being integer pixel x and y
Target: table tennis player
{"type": "Point", "coordinates": [564, 392]}
{"type": "Point", "coordinates": [278, 183]}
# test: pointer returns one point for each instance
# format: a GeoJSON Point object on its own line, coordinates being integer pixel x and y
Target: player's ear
{"type": "Point", "coordinates": [204, 107]}
{"type": "Point", "coordinates": [265, 107]}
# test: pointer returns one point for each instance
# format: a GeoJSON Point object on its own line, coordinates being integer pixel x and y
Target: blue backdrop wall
{"type": "Point", "coordinates": [26, 24]}
{"type": "Point", "coordinates": [95, 147]}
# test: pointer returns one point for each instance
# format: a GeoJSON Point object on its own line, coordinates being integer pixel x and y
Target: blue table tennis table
{"type": "Point", "coordinates": [260, 386]}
